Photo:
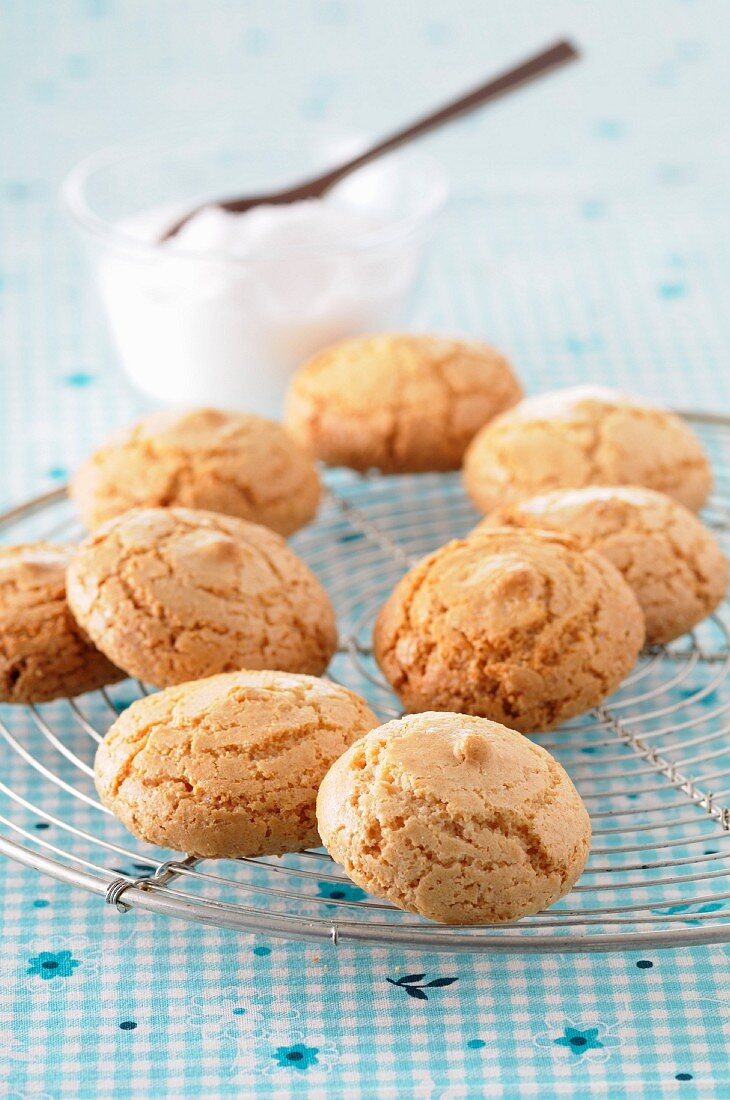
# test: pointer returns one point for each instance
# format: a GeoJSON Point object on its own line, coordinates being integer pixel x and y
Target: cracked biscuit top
{"type": "Point", "coordinates": [43, 653]}
{"type": "Point", "coordinates": [398, 403]}
{"type": "Point", "coordinates": [456, 818]}
{"type": "Point", "coordinates": [228, 766]}
{"type": "Point", "coordinates": [672, 562]}
{"type": "Point", "coordinates": [229, 462]}
{"type": "Point", "coordinates": [523, 627]}
{"type": "Point", "coordinates": [173, 594]}
{"type": "Point", "coordinates": [588, 435]}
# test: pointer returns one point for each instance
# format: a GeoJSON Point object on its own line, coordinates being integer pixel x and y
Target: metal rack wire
{"type": "Point", "coordinates": [652, 763]}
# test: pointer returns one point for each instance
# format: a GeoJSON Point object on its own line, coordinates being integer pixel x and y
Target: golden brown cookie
{"type": "Point", "coordinates": [456, 818]}
{"type": "Point", "coordinates": [398, 402]}
{"type": "Point", "coordinates": [230, 462]}
{"type": "Point", "coordinates": [228, 766]}
{"type": "Point", "coordinates": [43, 653]}
{"type": "Point", "coordinates": [588, 435]}
{"type": "Point", "coordinates": [174, 594]}
{"type": "Point", "coordinates": [519, 626]}
{"type": "Point", "coordinates": [672, 562]}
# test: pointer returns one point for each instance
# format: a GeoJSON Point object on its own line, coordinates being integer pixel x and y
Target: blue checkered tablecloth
{"type": "Point", "coordinates": [589, 237]}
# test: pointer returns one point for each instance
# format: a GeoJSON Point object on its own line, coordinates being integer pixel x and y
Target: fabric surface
{"type": "Point", "coordinates": [588, 238]}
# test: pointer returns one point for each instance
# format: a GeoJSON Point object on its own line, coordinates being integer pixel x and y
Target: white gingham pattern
{"type": "Point", "coordinates": [611, 264]}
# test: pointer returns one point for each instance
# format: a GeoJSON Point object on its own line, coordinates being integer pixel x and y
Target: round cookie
{"type": "Point", "coordinates": [173, 594]}
{"type": "Point", "coordinates": [519, 626]}
{"type": "Point", "coordinates": [673, 563]}
{"type": "Point", "coordinates": [588, 435]}
{"type": "Point", "coordinates": [228, 766]}
{"type": "Point", "coordinates": [456, 818]}
{"type": "Point", "coordinates": [399, 403]}
{"type": "Point", "coordinates": [230, 462]}
{"type": "Point", "coordinates": [43, 653]}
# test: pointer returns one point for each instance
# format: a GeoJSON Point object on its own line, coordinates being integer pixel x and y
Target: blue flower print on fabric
{"type": "Point", "coordinates": [52, 964]}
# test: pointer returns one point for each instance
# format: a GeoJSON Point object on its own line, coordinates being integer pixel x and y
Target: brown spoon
{"type": "Point", "coordinates": [538, 65]}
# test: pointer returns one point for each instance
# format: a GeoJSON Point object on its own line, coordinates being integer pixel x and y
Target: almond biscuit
{"type": "Point", "coordinates": [228, 766]}
{"type": "Point", "coordinates": [175, 594]}
{"type": "Point", "coordinates": [522, 627]}
{"type": "Point", "coordinates": [456, 818]}
{"type": "Point", "coordinates": [43, 652]}
{"type": "Point", "coordinates": [588, 435]}
{"type": "Point", "coordinates": [399, 403]}
{"type": "Point", "coordinates": [672, 562]}
{"type": "Point", "coordinates": [235, 463]}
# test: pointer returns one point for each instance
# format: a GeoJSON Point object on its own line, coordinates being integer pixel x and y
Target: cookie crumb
{"type": "Point", "coordinates": [471, 749]}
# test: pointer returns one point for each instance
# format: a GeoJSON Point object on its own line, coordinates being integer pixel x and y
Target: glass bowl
{"type": "Point", "coordinates": [212, 326]}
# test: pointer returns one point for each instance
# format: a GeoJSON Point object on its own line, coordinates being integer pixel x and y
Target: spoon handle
{"type": "Point", "coordinates": [533, 67]}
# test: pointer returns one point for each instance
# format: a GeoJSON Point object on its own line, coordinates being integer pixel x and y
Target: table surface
{"type": "Point", "coordinates": [597, 250]}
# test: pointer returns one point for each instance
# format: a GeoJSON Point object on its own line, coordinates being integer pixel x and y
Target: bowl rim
{"type": "Point", "coordinates": [75, 201]}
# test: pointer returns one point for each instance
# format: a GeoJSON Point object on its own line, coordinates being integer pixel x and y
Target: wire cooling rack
{"type": "Point", "coordinates": [652, 763]}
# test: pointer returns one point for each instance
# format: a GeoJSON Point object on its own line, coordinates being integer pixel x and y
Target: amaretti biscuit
{"type": "Point", "coordinates": [456, 818]}
{"type": "Point", "coordinates": [43, 652]}
{"type": "Point", "coordinates": [588, 435]}
{"type": "Point", "coordinates": [230, 462]}
{"type": "Point", "coordinates": [523, 627]}
{"type": "Point", "coordinates": [228, 766]}
{"type": "Point", "coordinates": [174, 594]}
{"type": "Point", "coordinates": [672, 562]}
{"type": "Point", "coordinates": [398, 402]}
